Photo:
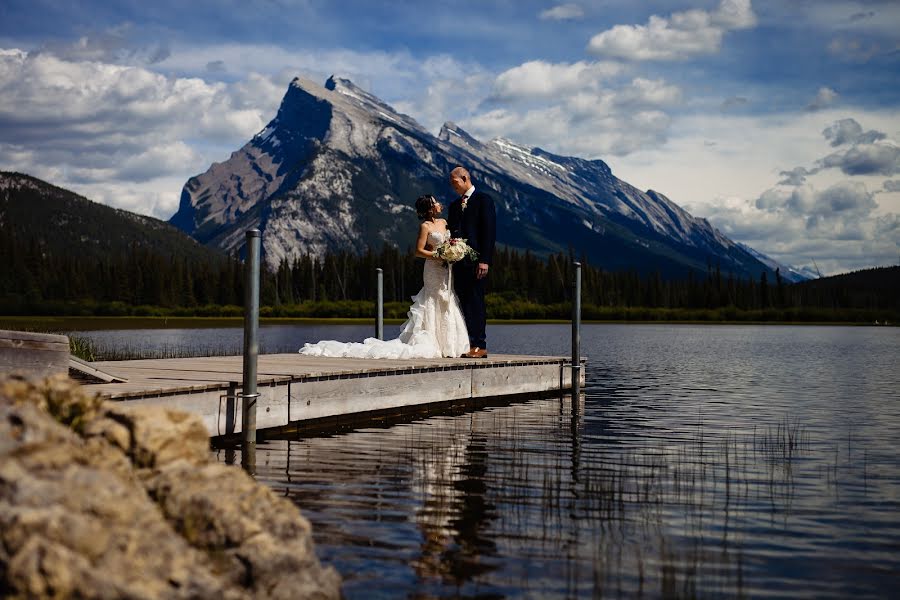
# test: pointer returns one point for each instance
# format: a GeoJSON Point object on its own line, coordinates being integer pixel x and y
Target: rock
{"type": "Point", "coordinates": [157, 435]}
{"type": "Point", "coordinates": [100, 500]}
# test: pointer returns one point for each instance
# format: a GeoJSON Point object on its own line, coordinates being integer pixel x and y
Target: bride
{"type": "Point", "coordinates": [434, 327]}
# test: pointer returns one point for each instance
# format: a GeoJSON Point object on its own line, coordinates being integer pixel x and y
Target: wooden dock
{"type": "Point", "coordinates": [303, 391]}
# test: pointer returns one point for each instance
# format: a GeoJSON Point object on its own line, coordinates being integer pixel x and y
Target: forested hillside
{"type": "Point", "coordinates": [63, 254]}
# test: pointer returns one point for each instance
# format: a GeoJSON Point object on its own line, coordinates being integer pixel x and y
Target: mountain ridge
{"type": "Point", "coordinates": [64, 221]}
{"type": "Point", "coordinates": [337, 168]}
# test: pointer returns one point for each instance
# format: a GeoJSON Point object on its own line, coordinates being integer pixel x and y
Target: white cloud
{"type": "Point", "coordinates": [725, 181]}
{"type": "Point", "coordinates": [649, 92]}
{"type": "Point", "coordinates": [540, 79]}
{"type": "Point", "coordinates": [678, 37]}
{"type": "Point", "coordinates": [837, 227]}
{"type": "Point", "coordinates": [891, 185]}
{"type": "Point", "coordinates": [90, 122]}
{"type": "Point", "coordinates": [577, 109]}
{"type": "Point", "coordinates": [824, 98]}
{"type": "Point", "coordinates": [562, 12]}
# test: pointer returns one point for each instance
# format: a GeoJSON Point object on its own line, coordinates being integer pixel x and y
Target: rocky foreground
{"type": "Point", "coordinates": [102, 500]}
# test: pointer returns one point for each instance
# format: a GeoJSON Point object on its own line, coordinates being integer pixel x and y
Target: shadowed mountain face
{"type": "Point", "coordinates": [338, 169]}
{"type": "Point", "coordinates": [60, 222]}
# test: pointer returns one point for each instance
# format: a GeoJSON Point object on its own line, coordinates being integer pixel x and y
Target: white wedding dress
{"type": "Point", "coordinates": [434, 327]}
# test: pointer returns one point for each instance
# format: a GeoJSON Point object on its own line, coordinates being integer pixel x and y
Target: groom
{"type": "Point", "coordinates": [473, 218]}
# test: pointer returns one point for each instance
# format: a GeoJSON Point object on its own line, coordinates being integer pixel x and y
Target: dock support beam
{"type": "Point", "coordinates": [249, 394]}
{"type": "Point", "coordinates": [379, 306]}
{"type": "Point", "coordinates": [576, 332]}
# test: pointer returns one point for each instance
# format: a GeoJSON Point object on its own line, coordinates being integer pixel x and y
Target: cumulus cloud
{"type": "Point", "coordinates": [869, 153]}
{"type": "Point", "coordinates": [579, 108]}
{"type": "Point", "coordinates": [865, 159]}
{"type": "Point", "coordinates": [848, 131]}
{"type": "Point", "coordinates": [444, 89]}
{"type": "Point", "coordinates": [649, 93]}
{"type": "Point", "coordinates": [677, 37]}
{"type": "Point", "coordinates": [837, 226]}
{"type": "Point", "coordinates": [824, 98]}
{"type": "Point", "coordinates": [888, 227]}
{"type": "Point", "coordinates": [583, 108]}
{"type": "Point", "coordinates": [562, 12]}
{"type": "Point", "coordinates": [891, 185]}
{"type": "Point", "coordinates": [796, 176]}
{"type": "Point", "coordinates": [541, 79]}
{"type": "Point", "coordinates": [91, 122]}
{"type": "Point", "coordinates": [584, 129]}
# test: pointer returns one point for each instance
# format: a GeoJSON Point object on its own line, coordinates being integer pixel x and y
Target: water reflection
{"type": "Point", "coordinates": [701, 462]}
{"type": "Point", "coordinates": [455, 512]}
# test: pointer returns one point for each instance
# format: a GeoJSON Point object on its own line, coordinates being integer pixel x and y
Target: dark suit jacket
{"type": "Point", "coordinates": [477, 224]}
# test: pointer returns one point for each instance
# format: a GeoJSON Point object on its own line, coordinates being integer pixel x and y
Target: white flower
{"type": "Point", "coordinates": [454, 250]}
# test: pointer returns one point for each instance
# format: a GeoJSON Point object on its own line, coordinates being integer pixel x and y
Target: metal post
{"type": "Point", "coordinates": [251, 342]}
{"type": "Point", "coordinates": [379, 306]}
{"type": "Point", "coordinates": [576, 333]}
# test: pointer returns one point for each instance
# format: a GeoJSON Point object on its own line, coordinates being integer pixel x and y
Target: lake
{"type": "Point", "coordinates": [701, 461]}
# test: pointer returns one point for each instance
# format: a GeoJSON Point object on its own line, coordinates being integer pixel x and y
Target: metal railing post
{"type": "Point", "coordinates": [249, 394]}
{"type": "Point", "coordinates": [379, 306]}
{"type": "Point", "coordinates": [576, 332]}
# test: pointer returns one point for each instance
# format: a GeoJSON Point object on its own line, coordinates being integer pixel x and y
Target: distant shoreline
{"type": "Point", "coordinates": [92, 323]}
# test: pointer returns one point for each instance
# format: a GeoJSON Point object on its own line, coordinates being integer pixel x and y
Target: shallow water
{"type": "Point", "coordinates": [702, 461]}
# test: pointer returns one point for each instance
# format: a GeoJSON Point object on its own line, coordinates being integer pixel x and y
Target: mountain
{"type": "Point", "coordinates": [790, 274]}
{"type": "Point", "coordinates": [62, 222]}
{"type": "Point", "coordinates": [339, 169]}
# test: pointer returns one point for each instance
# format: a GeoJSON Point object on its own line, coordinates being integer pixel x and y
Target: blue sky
{"type": "Point", "coordinates": [779, 121]}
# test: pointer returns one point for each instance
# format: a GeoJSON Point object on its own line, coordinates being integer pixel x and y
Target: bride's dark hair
{"type": "Point", "coordinates": [424, 206]}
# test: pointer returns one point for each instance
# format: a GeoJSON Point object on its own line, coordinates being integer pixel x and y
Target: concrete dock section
{"type": "Point", "coordinates": [303, 391]}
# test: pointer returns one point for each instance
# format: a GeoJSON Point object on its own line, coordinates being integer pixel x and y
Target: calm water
{"type": "Point", "coordinates": [703, 461]}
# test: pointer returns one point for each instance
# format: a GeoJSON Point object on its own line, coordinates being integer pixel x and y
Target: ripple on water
{"type": "Point", "coordinates": [702, 461]}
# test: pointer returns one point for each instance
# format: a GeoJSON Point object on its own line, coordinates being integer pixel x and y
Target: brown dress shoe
{"type": "Point", "coordinates": [476, 352]}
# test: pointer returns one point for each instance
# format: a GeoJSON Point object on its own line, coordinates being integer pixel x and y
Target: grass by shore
{"type": "Point", "coordinates": [90, 323]}
{"type": "Point", "coordinates": [55, 323]}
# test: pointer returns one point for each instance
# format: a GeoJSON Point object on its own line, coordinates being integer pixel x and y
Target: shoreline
{"type": "Point", "coordinates": [95, 323]}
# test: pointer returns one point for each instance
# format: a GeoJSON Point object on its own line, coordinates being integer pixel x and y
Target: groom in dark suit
{"type": "Point", "coordinates": [472, 217]}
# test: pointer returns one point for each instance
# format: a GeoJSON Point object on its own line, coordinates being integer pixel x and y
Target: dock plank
{"type": "Point", "coordinates": [295, 388]}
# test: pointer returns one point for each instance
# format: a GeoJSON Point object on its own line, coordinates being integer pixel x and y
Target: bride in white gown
{"type": "Point", "coordinates": [434, 327]}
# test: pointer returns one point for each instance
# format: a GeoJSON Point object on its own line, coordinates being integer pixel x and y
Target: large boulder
{"type": "Point", "coordinates": [103, 500]}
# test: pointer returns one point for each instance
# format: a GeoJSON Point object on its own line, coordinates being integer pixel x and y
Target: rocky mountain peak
{"type": "Point", "coordinates": [454, 134]}
{"type": "Point", "coordinates": [337, 167]}
{"type": "Point", "coordinates": [345, 86]}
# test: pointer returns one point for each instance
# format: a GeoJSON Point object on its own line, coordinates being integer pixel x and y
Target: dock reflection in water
{"type": "Point", "coordinates": [702, 462]}
{"type": "Point", "coordinates": [508, 502]}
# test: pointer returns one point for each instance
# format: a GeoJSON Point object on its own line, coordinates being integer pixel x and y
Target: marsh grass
{"type": "Point", "coordinates": [92, 351]}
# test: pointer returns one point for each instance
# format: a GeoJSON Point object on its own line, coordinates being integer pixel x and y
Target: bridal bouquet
{"type": "Point", "coordinates": [454, 250]}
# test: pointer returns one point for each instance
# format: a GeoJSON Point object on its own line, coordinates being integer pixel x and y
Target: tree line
{"type": "Point", "coordinates": [143, 281]}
